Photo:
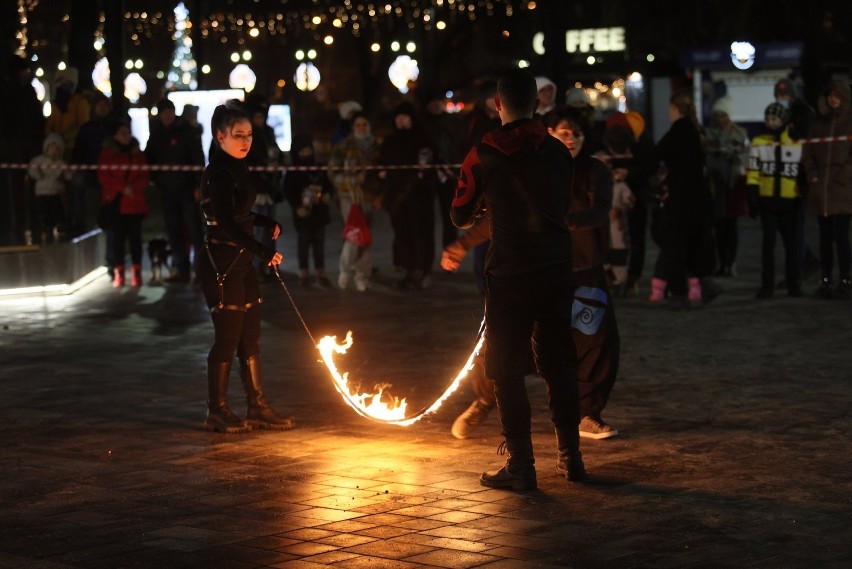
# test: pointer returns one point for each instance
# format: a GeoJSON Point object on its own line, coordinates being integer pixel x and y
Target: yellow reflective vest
{"type": "Point", "coordinates": [769, 160]}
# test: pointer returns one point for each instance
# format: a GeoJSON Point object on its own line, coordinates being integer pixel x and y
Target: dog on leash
{"type": "Point", "coordinates": [159, 253]}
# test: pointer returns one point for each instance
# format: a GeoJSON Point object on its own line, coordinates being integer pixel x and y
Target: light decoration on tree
{"type": "Point", "coordinates": [100, 77]}
{"type": "Point", "coordinates": [134, 87]}
{"type": "Point", "coordinates": [182, 73]}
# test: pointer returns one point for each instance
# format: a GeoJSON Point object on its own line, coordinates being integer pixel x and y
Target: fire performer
{"type": "Point", "coordinates": [518, 176]}
{"type": "Point", "coordinates": [229, 280]}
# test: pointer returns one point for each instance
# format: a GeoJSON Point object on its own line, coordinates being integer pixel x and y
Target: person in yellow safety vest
{"type": "Point", "coordinates": [773, 194]}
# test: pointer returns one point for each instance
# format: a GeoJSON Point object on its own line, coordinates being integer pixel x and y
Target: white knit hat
{"type": "Point", "coordinates": [723, 105]}
{"type": "Point", "coordinates": [346, 108]}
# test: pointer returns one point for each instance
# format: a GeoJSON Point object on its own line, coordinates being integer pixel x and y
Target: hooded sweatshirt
{"type": "Point", "coordinates": [830, 162]}
{"type": "Point", "coordinates": [49, 181]}
{"type": "Point", "coordinates": [518, 175]}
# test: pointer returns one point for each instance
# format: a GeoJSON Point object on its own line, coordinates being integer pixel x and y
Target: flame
{"type": "Point", "coordinates": [371, 405]}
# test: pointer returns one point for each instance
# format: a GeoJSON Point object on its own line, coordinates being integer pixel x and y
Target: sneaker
{"type": "Point", "coordinates": [472, 416]}
{"type": "Point", "coordinates": [596, 428]}
{"type": "Point", "coordinates": [361, 285]}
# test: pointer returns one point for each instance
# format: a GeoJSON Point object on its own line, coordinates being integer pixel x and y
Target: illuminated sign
{"type": "Point", "coordinates": [591, 40]}
{"type": "Point", "coordinates": [742, 54]}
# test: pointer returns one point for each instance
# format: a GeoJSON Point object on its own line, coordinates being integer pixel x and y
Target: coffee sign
{"type": "Point", "coordinates": [590, 40]}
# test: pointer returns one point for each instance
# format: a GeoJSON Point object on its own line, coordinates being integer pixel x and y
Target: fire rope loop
{"type": "Point", "coordinates": [371, 405]}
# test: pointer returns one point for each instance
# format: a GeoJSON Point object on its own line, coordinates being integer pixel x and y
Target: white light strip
{"type": "Point", "coordinates": [57, 289]}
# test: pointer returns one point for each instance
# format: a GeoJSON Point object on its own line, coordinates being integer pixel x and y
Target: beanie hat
{"type": "Point", "coordinates": [577, 97]}
{"type": "Point", "coordinates": [541, 82]}
{"type": "Point", "coordinates": [723, 105]}
{"type": "Point", "coordinates": [617, 119]}
{"type": "Point", "coordinates": [53, 138]}
{"type": "Point", "coordinates": [637, 123]}
{"type": "Point", "coordinates": [346, 108]}
{"type": "Point", "coordinates": [776, 110]}
{"type": "Point", "coordinates": [404, 108]}
{"type": "Point", "coordinates": [164, 104]}
{"type": "Point", "coordinates": [785, 87]}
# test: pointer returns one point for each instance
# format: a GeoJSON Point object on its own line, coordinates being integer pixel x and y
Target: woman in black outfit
{"type": "Point", "coordinates": [229, 281]}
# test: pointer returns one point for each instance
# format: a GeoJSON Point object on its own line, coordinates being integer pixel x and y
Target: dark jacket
{"type": "Point", "coordinates": [830, 162]}
{"type": "Point", "coordinates": [308, 193]}
{"type": "Point", "coordinates": [518, 175]}
{"type": "Point", "coordinates": [178, 144]}
{"type": "Point", "coordinates": [588, 220]}
{"type": "Point", "coordinates": [681, 151]}
{"type": "Point", "coordinates": [227, 197]}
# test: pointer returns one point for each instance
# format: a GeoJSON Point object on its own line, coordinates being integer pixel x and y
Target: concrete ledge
{"type": "Point", "coordinates": [53, 268]}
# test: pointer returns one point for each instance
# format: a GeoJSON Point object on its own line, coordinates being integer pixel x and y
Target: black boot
{"type": "Point", "coordinates": [260, 415]}
{"type": "Point", "coordinates": [220, 418]}
{"type": "Point", "coordinates": [569, 460]}
{"type": "Point", "coordinates": [519, 471]}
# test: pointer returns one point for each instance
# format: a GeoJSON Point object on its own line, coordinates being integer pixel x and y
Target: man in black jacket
{"type": "Point", "coordinates": [174, 143]}
{"type": "Point", "coordinates": [519, 175]}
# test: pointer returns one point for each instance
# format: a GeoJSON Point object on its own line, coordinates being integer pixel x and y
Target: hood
{"type": "Point", "coordinates": [840, 87]}
{"type": "Point", "coordinates": [53, 138]}
{"type": "Point", "coordinates": [524, 134]}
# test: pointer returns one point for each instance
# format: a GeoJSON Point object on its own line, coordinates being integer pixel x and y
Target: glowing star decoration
{"type": "Point", "coordinates": [742, 54]}
{"type": "Point", "coordinates": [379, 405]}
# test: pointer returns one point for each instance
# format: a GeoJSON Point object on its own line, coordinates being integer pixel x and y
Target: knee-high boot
{"type": "Point", "coordinates": [220, 418]}
{"type": "Point", "coordinates": [569, 460]}
{"type": "Point", "coordinates": [519, 471]}
{"type": "Point", "coordinates": [260, 415]}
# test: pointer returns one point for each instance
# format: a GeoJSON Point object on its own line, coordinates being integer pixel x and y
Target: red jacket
{"type": "Point", "coordinates": [113, 182]}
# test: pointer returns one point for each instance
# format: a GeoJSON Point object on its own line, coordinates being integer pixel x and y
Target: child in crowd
{"type": "Point", "coordinates": [773, 194]}
{"type": "Point", "coordinates": [49, 187]}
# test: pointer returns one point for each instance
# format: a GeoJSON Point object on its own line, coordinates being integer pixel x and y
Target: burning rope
{"type": "Point", "coordinates": [370, 405]}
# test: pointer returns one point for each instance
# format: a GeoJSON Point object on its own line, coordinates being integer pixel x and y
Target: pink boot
{"type": "Point", "coordinates": [118, 277]}
{"type": "Point", "coordinates": [658, 290]}
{"type": "Point", "coordinates": [694, 289]}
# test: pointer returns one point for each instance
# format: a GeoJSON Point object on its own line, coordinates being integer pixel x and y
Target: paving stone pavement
{"type": "Point", "coordinates": [733, 448]}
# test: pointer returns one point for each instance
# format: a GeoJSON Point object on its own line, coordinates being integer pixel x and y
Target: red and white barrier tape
{"type": "Point", "coordinates": [195, 168]}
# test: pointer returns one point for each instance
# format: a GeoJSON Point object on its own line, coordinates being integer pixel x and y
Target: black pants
{"type": "Point", "coordinates": [533, 309]}
{"type": "Point", "coordinates": [311, 237]}
{"type": "Point", "coordinates": [237, 325]}
{"type": "Point", "coordinates": [786, 223]}
{"type": "Point", "coordinates": [183, 220]}
{"type": "Point", "coordinates": [637, 224]}
{"type": "Point", "coordinates": [412, 217]}
{"type": "Point", "coordinates": [726, 241]}
{"type": "Point", "coordinates": [128, 229]}
{"type": "Point", "coordinates": [687, 248]}
{"type": "Point", "coordinates": [50, 215]}
{"type": "Point", "coordinates": [834, 233]}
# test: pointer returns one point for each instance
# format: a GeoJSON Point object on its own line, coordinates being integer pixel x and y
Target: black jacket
{"type": "Point", "coordinates": [522, 177]}
{"type": "Point", "coordinates": [227, 197]}
{"type": "Point", "coordinates": [178, 144]}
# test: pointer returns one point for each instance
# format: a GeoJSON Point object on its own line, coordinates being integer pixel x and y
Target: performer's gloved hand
{"type": "Point", "coordinates": [276, 231]}
{"type": "Point", "coordinates": [276, 260]}
{"type": "Point", "coordinates": [452, 256]}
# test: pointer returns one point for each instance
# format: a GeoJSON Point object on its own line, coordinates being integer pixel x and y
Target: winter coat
{"type": "Point", "coordinates": [406, 147]}
{"type": "Point", "coordinates": [681, 152]}
{"type": "Point", "coordinates": [179, 144]}
{"type": "Point", "coordinates": [348, 157]}
{"type": "Point", "coordinates": [309, 193]}
{"type": "Point", "coordinates": [113, 182]}
{"type": "Point", "coordinates": [68, 124]}
{"type": "Point", "coordinates": [49, 181]}
{"type": "Point", "coordinates": [87, 149]}
{"type": "Point", "coordinates": [588, 219]}
{"type": "Point", "coordinates": [830, 163]}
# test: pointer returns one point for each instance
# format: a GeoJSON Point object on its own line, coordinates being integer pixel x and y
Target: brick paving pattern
{"type": "Point", "coordinates": [733, 448]}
